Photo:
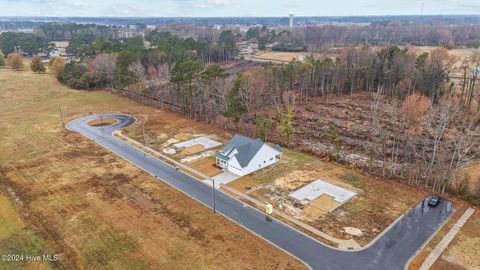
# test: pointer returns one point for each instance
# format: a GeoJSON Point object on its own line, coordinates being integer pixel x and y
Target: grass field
{"type": "Point", "coordinates": [62, 194]}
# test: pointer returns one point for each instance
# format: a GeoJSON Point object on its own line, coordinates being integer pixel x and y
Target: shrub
{"type": "Point", "coordinates": [15, 61]}
{"type": "Point", "coordinates": [36, 65]}
{"type": "Point", "coordinates": [2, 59]}
{"type": "Point", "coordinates": [75, 75]}
{"type": "Point", "coordinates": [415, 107]}
{"type": "Point", "coordinates": [56, 64]}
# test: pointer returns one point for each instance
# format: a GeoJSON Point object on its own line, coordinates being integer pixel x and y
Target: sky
{"type": "Point", "coordinates": [224, 8]}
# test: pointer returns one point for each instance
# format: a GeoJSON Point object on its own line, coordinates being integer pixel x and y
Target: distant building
{"type": "Point", "coordinates": [243, 155]}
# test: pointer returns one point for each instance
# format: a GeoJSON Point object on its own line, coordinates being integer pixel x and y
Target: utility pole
{"type": "Point", "coordinates": [143, 132]}
{"type": "Point", "coordinates": [214, 208]}
{"type": "Point", "coordinates": [61, 116]}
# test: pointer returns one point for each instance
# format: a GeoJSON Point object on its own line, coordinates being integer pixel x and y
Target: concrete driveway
{"type": "Point", "coordinates": [225, 178]}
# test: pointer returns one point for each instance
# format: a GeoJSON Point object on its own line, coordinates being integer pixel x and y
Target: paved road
{"type": "Point", "coordinates": [391, 251]}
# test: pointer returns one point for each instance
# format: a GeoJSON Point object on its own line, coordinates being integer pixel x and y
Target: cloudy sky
{"type": "Point", "coordinates": [168, 8]}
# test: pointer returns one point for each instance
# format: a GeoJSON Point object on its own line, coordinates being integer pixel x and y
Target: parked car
{"type": "Point", "coordinates": [433, 200]}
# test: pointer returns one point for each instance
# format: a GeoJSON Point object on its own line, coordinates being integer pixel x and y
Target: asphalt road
{"type": "Point", "coordinates": [391, 251]}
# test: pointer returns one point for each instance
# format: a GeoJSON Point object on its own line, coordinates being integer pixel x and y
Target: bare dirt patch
{"type": "Point", "coordinates": [206, 166]}
{"type": "Point", "coordinates": [319, 207]}
{"type": "Point", "coordinates": [279, 56]}
{"type": "Point", "coordinates": [192, 150]}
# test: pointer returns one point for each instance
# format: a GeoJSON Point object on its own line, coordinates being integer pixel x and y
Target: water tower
{"type": "Point", "coordinates": [291, 20]}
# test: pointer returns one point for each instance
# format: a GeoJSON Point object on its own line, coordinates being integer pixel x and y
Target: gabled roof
{"type": "Point", "coordinates": [246, 147]}
{"type": "Point", "coordinates": [278, 148]}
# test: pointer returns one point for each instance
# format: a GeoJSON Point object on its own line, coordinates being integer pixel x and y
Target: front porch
{"type": "Point", "coordinates": [222, 163]}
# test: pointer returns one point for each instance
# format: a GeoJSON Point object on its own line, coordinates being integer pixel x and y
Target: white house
{"type": "Point", "coordinates": [243, 155]}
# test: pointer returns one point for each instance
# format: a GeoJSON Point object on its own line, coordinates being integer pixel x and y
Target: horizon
{"type": "Point", "coordinates": [285, 16]}
{"type": "Point", "coordinates": [234, 8]}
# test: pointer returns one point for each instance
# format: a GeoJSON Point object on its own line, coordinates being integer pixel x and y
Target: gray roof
{"type": "Point", "coordinates": [278, 148]}
{"type": "Point", "coordinates": [247, 148]}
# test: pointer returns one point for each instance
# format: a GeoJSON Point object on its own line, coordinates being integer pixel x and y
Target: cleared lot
{"type": "Point", "coordinates": [371, 211]}
{"type": "Point", "coordinates": [91, 207]}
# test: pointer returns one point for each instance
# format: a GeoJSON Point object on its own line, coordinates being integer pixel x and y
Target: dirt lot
{"type": "Point", "coordinates": [206, 166]}
{"type": "Point", "coordinates": [279, 56]}
{"type": "Point", "coordinates": [371, 211]}
{"type": "Point", "coordinates": [162, 132]}
{"type": "Point", "coordinates": [68, 196]}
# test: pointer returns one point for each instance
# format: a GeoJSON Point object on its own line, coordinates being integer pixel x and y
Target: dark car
{"type": "Point", "coordinates": [433, 200]}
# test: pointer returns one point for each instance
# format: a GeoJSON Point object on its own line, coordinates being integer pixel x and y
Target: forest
{"type": "Point", "coordinates": [395, 32]}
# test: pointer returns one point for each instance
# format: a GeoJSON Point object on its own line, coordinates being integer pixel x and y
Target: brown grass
{"type": "Point", "coordinates": [192, 150]}
{"type": "Point", "coordinates": [464, 251]}
{"type": "Point", "coordinates": [102, 122]}
{"type": "Point", "coordinates": [472, 172]}
{"type": "Point", "coordinates": [95, 210]}
{"type": "Point", "coordinates": [279, 56]}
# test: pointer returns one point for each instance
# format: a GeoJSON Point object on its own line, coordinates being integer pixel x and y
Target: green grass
{"type": "Point", "coordinates": [297, 158]}
{"type": "Point", "coordinates": [354, 180]}
{"type": "Point", "coordinates": [15, 237]}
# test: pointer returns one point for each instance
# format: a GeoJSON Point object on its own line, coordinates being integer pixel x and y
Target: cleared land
{"type": "Point", "coordinates": [279, 56]}
{"type": "Point", "coordinates": [162, 132]}
{"type": "Point", "coordinates": [206, 166]}
{"type": "Point", "coordinates": [379, 202]}
{"type": "Point", "coordinates": [73, 198]}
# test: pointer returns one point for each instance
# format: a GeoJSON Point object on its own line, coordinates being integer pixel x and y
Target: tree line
{"type": "Point", "coordinates": [396, 32]}
{"type": "Point", "coordinates": [28, 43]}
